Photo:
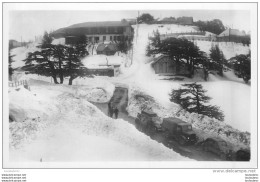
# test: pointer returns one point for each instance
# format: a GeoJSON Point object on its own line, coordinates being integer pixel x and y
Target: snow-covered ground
{"type": "Point", "coordinates": [230, 49]}
{"type": "Point", "coordinates": [20, 54]}
{"type": "Point", "coordinates": [228, 92]}
{"type": "Point", "coordinates": [61, 125]}
{"type": "Point", "coordinates": [95, 61]}
{"type": "Point", "coordinates": [57, 122]}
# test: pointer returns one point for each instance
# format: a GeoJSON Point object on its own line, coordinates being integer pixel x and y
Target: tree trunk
{"type": "Point", "coordinates": [177, 66]}
{"type": "Point", "coordinates": [60, 72]}
{"type": "Point", "coordinates": [198, 103]}
{"type": "Point", "coordinates": [55, 79]}
{"type": "Point", "coordinates": [53, 72]}
{"type": "Point", "coordinates": [61, 77]}
{"type": "Point", "coordinates": [190, 68]}
{"type": "Point", "coordinates": [71, 79]}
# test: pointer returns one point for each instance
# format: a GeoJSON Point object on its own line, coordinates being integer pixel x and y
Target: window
{"type": "Point", "coordinates": [186, 128]}
{"type": "Point", "coordinates": [103, 30]}
{"type": "Point", "coordinates": [111, 38]}
{"type": "Point", "coordinates": [178, 128]}
{"type": "Point", "coordinates": [104, 38]}
{"type": "Point", "coordinates": [93, 30]}
{"type": "Point", "coordinates": [110, 29]}
{"type": "Point", "coordinates": [120, 29]}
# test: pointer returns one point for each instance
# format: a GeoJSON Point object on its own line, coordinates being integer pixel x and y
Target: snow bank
{"type": "Point", "coordinates": [75, 130]}
{"type": "Point", "coordinates": [139, 100]}
{"type": "Point", "coordinates": [93, 61]}
{"type": "Point", "coordinates": [205, 126]}
{"type": "Point", "coordinates": [29, 112]}
{"type": "Point", "coordinates": [93, 89]}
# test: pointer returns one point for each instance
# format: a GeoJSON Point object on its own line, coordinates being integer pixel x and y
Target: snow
{"type": "Point", "coordinates": [58, 122]}
{"type": "Point", "coordinates": [230, 93]}
{"type": "Point", "coordinates": [69, 128]}
{"type": "Point", "coordinates": [59, 41]}
{"type": "Point", "coordinates": [230, 49]}
{"type": "Point", "coordinates": [20, 54]}
{"type": "Point", "coordinates": [204, 126]}
{"type": "Point", "coordinates": [95, 61]}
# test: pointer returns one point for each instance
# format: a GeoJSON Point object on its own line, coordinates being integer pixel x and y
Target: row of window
{"type": "Point", "coordinates": [111, 38]}
{"type": "Point", "coordinates": [74, 40]}
{"type": "Point", "coordinates": [104, 30]}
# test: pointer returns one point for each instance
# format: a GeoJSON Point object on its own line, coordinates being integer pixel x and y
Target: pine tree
{"type": "Point", "coordinates": [145, 18]}
{"type": "Point", "coordinates": [46, 39]}
{"type": "Point", "coordinates": [59, 55]}
{"type": "Point", "coordinates": [193, 99]}
{"type": "Point", "coordinates": [154, 45]}
{"type": "Point", "coordinates": [218, 59]}
{"type": "Point", "coordinates": [179, 51]}
{"type": "Point", "coordinates": [242, 66]}
{"type": "Point", "coordinates": [73, 66]}
{"type": "Point", "coordinates": [42, 63]}
{"type": "Point", "coordinates": [10, 61]}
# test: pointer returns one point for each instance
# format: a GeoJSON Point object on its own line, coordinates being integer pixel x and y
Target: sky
{"type": "Point", "coordinates": [25, 25]}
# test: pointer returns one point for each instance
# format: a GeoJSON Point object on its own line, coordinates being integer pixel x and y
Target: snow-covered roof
{"type": "Point", "coordinates": [158, 59]}
{"type": "Point", "coordinates": [101, 24]}
{"type": "Point", "coordinates": [230, 31]}
{"type": "Point", "coordinates": [110, 47]}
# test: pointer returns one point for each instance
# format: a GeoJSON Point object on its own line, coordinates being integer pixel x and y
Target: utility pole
{"type": "Point", "coordinates": [137, 26]}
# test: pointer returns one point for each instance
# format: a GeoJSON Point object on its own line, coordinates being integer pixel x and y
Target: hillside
{"type": "Point", "coordinates": [62, 117]}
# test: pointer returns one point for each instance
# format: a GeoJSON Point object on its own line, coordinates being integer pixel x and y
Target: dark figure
{"type": "Point", "coordinates": [219, 130]}
{"type": "Point", "coordinates": [206, 74]}
{"type": "Point", "coordinates": [116, 112]}
{"type": "Point", "coordinates": [109, 108]}
{"type": "Point", "coordinates": [111, 112]}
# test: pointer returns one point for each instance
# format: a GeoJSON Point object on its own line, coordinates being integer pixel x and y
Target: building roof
{"type": "Point", "coordinates": [149, 112]}
{"type": "Point", "coordinates": [171, 19]}
{"type": "Point", "coordinates": [79, 27]}
{"type": "Point", "coordinates": [174, 120]}
{"type": "Point", "coordinates": [110, 47]}
{"type": "Point", "coordinates": [230, 31]}
{"type": "Point", "coordinates": [101, 24]}
{"type": "Point", "coordinates": [158, 59]}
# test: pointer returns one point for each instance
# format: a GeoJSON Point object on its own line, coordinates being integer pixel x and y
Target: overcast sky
{"type": "Point", "coordinates": [28, 24]}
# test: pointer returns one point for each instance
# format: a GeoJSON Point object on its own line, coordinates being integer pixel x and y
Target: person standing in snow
{"type": "Point", "coordinates": [116, 112]}
{"type": "Point", "coordinates": [111, 112]}
{"type": "Point", "coordinates": [109, 109]}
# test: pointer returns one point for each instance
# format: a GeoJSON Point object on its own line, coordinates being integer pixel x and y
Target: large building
{"type": "Point", "coordinates": [96, 32]}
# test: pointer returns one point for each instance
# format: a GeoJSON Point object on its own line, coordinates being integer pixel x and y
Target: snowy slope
{"type": "Point", "coordinates": [20, 54]}
{"type": "Point", "coordinates": [63, 109]}
{"type": "Point", "coordinates": [230, 49]}
{"type": "Point", "coordinates": [230, 93]}
{"type": "Point", "coordinates": [69, 128]}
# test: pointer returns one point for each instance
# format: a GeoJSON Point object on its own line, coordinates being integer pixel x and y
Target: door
{"type": "Point", "coordinates": [165, 67]}
{"type": "Point", "coordinates": [96, 39]}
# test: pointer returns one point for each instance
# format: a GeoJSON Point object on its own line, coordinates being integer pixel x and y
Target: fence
{"type": "Point", "coordinates": [18, 83]}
